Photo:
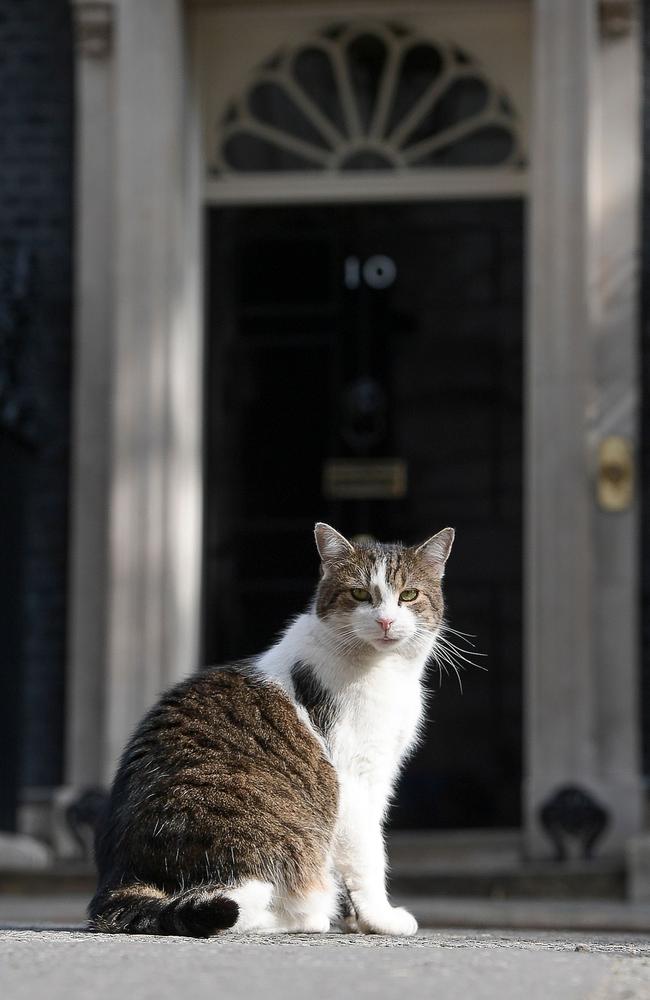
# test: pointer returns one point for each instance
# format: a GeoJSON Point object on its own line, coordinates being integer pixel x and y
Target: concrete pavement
{"type": "Point", "coordinates": [70, 965]}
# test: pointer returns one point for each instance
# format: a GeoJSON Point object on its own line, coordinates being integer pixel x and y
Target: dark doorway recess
{"type": "Point", "coordinates": [375, 332]}
{"type": "Point", "coordinates": [14, 477]}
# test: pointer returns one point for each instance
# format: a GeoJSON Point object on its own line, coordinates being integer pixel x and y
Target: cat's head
{"type": "Point", "coordinates": [388, 597]}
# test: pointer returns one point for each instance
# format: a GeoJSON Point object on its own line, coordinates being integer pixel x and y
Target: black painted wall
{"type": "Point", "coordinates": [36, 121]}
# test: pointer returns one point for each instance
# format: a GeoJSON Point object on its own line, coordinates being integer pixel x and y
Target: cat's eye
{"type": "Point", "coordinates": [360, 594]}
{"type": "Point", "coordinates": [408, 595]}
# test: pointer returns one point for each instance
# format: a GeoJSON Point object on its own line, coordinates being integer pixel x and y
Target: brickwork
{"type": "Point", "coordinates": [36, 115]}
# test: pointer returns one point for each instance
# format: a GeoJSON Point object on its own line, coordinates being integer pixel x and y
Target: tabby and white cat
{"type": "Point", "coordinates": [252, 796]}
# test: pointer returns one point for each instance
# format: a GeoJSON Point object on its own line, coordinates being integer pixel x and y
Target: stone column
{"type": "Point", "coordinates": [91, 392]}
{"type": "Point", "coordinates": [136, 510]}
{"type": "Point", "coordinates": [615, 227]}
{"type": "Point", "coordinates": [578, 730]}
{"type": "Point", "coordinates": [155, 490]}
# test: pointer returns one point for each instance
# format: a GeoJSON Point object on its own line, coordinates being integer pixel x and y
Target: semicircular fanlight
{"type": "Point", "coordinates": [368, 96]}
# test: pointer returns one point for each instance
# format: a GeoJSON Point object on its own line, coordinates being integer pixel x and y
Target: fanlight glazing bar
{"type": "Point", "coordinates": [394, 185]}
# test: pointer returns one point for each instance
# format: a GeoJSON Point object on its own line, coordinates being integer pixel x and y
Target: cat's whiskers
{"type": "Point", "coordinates": [447, 653]}
{"type": "Point", "coordinates": [464, 655]}
{"type": "Point", "coordinates": [443, 659]}
{"type": "Point", "coordinates": [345, 640]}
{"type": "Point", "coordinates": [458, 654]}
{"type": "Point", "coordinates": [465, 637]}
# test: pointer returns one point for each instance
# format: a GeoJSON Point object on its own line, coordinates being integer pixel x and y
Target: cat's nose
{"type": "Point", "coordinates": [385, 623]}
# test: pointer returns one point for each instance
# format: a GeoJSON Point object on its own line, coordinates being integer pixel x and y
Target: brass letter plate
{"type": "Point", "coordinates": [364, 478]}
{"type": "Point", "coordinates": [615, 485]}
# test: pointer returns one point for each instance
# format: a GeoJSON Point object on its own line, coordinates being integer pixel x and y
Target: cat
{"type": "Point", "coordinates": [253, 796]}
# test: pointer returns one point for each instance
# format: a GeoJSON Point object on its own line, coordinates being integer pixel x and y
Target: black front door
{"type": "Point", "coordinates": [365, 368]}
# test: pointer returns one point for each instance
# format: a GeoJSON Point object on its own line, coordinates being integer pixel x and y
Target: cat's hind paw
{"type": "Point", "coordinates": [348, 924]}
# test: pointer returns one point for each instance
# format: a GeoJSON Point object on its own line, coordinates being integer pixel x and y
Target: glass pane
{"type": "Point", "coordinates": [366, 58]}
{"type": "Point", "coordinates": [369, 160]}
{"type": "Point", "coordinates": [313, 72]}
{"type": "Point", "coordinates": [463, 99]}
{"type": "Point", "coordinates": [487, 147]}
{"type": "Point", "coordinates": [244, 151]}
{"type": "Point", "coordinates": [421, 64]}
{"type": "Point", "coordinates": [270, 104]}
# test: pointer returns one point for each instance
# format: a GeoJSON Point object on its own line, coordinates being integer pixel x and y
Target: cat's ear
{"type": "Point", "coordinates": [435, 551]}
{"type": "Point", "coordinates": [330, 543]}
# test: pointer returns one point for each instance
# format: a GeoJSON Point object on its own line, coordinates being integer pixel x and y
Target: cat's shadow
{"type": "Point", "coordinates": [54, 928]}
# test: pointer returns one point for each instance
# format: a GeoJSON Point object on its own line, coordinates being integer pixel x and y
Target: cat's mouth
{"type": "Point", "coordinates": [387, 641]}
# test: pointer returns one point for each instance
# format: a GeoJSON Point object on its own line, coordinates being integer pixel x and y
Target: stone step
{"type": "Point", "coordinates": [491, 863]}
{"type": "Point", "coordinates": [463, 863]}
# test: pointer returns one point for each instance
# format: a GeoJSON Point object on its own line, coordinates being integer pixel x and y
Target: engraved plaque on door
{"type": "Point", "coordinates": [364, 479]}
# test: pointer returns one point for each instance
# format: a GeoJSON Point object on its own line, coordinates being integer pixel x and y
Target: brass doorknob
{"type": "Point", "coordinates": [615, 487]}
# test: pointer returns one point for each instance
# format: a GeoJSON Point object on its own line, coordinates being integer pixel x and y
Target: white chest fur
{"type": "Point", "coordinates": [377, 702]}
{"type": "Point", "coordinates": [376, 724]}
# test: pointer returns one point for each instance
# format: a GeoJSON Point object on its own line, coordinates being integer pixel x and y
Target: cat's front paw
{"type": "Point", "coordinates": [392, 920]}
{"type": "Point", "coordinates": [316, 924]}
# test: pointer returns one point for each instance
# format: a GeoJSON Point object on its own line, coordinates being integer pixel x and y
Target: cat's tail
{"type": "Point", "coordinates": [144, 909]}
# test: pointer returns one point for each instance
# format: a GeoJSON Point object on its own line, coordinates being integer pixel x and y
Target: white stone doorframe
{"type": "Point", "coordinates": [137, 465]}
{"type": "Point", "coordinates": [136, 488]}
{"type": "Point", "coordinates": [581, 715]}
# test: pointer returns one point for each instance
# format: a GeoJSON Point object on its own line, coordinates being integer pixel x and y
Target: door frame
{"type": "Point", "coordinates": [581, 716]}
